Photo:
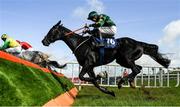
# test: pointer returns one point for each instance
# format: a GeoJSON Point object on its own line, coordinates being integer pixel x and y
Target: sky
{"type": "Point", "coordinates": [151, 21]}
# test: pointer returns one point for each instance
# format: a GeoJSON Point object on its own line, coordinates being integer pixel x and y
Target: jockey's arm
{"type": "Point", "coordinates": [5, 45]}
{"type": "Point", "coordinates": [100, 22]}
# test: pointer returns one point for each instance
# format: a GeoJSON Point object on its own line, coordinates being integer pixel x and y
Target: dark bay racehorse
{"type": "Point", "coordinates": [126, 52]}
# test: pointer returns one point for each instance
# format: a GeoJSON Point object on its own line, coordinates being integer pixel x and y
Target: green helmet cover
{"type": "Point", "coordinates": [92, 14]}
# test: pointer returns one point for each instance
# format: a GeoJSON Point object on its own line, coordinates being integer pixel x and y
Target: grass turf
{"type": "Point", "coordinates": [25, 86]}
{"type": "Point", "coordinates": [90, 96]}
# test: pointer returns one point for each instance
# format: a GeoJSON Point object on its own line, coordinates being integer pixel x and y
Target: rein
{"type": "Point", "coordinates": [80, 45]}
{"type": "Point", "coordinates": [69, 33]}
{"type": "Point", "coordinates": [72, 32]}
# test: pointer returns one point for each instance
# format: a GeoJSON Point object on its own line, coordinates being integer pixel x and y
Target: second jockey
{"type": "Point", "coordinates": [10, 45]}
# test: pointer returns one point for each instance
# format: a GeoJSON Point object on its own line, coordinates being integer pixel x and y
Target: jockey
{"type": "Point", "coordinates": [103, 26]}
{"type": "Point", "coordinates": [10, 45]}
{"type": "Point", "coordinates": [26, 46]}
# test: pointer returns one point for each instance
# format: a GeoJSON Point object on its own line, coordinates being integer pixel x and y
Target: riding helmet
{"type": "Point", "coordinates": [4, 36]}
{"type": "Point", "coordinates": [92, 15]}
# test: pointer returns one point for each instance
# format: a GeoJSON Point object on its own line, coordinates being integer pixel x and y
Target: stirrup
{"type": "Point", "coordinates": [100, 45]}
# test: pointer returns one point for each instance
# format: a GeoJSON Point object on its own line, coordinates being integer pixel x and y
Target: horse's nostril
{"type": "Point", "coordinates": [45, 43]}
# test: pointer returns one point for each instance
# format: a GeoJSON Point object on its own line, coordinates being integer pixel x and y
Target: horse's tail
{"type": "Point", "coordinates": [149, 49]}
{"type": "Point", "coordinates": [152, 51]}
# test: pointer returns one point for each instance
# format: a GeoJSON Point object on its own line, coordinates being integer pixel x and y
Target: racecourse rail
{"type": "Point", "coordinates": [152, 77]}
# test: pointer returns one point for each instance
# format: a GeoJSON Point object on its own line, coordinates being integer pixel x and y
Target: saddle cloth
{"type": "Point", "coordinates": [108, 42]}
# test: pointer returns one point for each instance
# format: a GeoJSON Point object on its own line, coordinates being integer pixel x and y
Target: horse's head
{"type": "Point", "coordinates": [54, 34]}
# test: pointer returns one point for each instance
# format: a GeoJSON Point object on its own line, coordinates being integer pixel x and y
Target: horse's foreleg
{"type": "Point", "coordinates": [56, 64]}
{"type": "Point", "coordinates": [86, 69]}
{"type": "Point", "coordinates": [103, 89]}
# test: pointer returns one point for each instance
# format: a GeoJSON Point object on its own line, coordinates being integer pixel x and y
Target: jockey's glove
{"type": "Point", "coordinates": [86, 31]}
{"type": "Point", "coordinates": [92, 25]}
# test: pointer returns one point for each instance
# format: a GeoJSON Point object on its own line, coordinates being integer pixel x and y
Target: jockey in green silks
{"type": "Point", "coordinates": [103, 26]}
{"type": "Point", "coordinates": [10, 45]}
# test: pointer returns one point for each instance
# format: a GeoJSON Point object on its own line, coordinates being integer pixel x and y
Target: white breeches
{"type": "Point", "coordinates": [108, 31]}
{"type": "Point", "coordinates": [15, 50]}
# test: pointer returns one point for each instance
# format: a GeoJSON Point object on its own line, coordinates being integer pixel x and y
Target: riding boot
{"type": "Point", "coordinates": [101, 44]}
{"type": "Point", "coordinates": [97, 44]}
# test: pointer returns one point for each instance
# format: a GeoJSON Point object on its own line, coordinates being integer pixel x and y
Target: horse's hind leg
{"type": "Point", "coordinates": [135, 70]}
{"type": "Point", "coordinates": [103, 89]}
{"type": "Point", "coordinates": [128, 61]}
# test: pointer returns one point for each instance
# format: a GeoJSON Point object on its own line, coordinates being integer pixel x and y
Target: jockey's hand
{"type": "Point", "coordinates": [86, 26]}
{"type": "Point", "coordinates": [92, 25]}
{"type": "Point", "coordinates": [85, 31]}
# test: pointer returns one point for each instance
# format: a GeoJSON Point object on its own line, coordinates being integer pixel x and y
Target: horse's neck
{"type": "Point", "coordinates": [72, 41]}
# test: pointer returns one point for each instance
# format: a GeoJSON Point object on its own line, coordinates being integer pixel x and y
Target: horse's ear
{"type": "Point", "coordinates": [58, 23]}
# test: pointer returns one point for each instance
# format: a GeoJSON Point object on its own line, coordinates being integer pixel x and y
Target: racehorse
{"type": "Point", "coordinates": [126, 53]}
{"type": "Point", "coordinates": [41, 59]}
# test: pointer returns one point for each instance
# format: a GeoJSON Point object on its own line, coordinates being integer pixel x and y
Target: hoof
{"type": "Point", "coordinates": [112, 93]}
{"type": "Point", "coordinates": [132, 84]}
{"type": "Point", "coordinates": [139, 67]}
{"type": "Point", "coordinates": [119, 86]}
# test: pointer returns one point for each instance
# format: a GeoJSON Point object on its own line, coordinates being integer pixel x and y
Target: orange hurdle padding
{"type": "Point", "coordinates": [12, 58]}
{"type": "Point", "coordinates": [65, 99]}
